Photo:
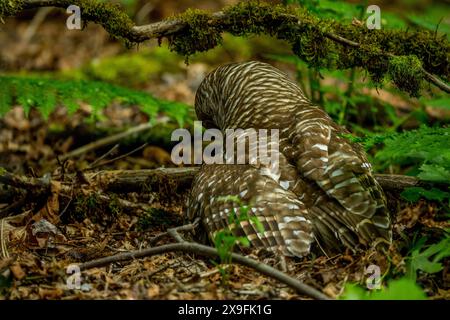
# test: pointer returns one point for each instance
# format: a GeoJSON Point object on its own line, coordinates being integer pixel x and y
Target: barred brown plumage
{"type": "Point", "coordinates": [323, 190]}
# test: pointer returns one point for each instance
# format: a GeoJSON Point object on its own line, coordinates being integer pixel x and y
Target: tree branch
{"type": "Point", "coordinates": [105, 141]}
{"type": "Point", "coordinates": [170, 180]}
{"type": "Point", "coordinates": [30, 184]}
{"type": "Point", "coordinates": [136, 180]}
{"type": "Point", "coordinates": [218, 20]}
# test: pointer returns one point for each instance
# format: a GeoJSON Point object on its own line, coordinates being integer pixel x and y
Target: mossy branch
{"type": "Point", "coordinates": [407, 58]}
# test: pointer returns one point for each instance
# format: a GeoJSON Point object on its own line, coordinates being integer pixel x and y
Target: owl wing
{"type": "Point", "coordinates": [286, 228]}
{"type": "Point", "coordinates": [341, 170]}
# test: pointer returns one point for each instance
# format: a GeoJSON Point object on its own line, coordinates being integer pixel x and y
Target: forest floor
{"type": "Point", "coordinates": [42, 236]}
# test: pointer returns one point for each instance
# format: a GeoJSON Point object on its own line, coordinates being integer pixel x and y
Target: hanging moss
{"type": "Point", "coordinates": [307, 35]}
{"type": "Point", "coordinates": [406, 73]}
{"type": "Point", "coordinates": [198, 36]}
{"type": "Point", "coordinates": [110, 15]}
{"type": "Point", "coordinates": [312, 47]}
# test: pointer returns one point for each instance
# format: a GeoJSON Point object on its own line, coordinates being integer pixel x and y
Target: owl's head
{"type": "Point", "coordinates": [211, 97]}
{"type": "Point", "coordinates": [254, 89]}
{"type": "Point", "coordinates": [207, 103]}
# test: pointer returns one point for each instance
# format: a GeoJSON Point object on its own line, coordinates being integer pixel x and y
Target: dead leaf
{"type": "Point", "coordinates": [17, 271]}
{"type": "Point", "coordinates": [331, 290]}
{"type": "Point", "coordinates": [45, 234]}
{"type": "Point", "coordinates": [153, 291]}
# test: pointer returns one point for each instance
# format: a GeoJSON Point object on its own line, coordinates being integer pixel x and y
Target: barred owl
{"type": "Point", "coordinates": [321, 195]}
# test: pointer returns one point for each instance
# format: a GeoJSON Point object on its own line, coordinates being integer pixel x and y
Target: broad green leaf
{"type": "Point", "coordinates": [401, 289]}
{"type": "Point", "coordinates": [428, 260]}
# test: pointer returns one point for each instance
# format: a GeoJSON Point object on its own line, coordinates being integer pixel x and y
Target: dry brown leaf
{"type": "Point", "coordinates": [50, 293]}
{"type": "Point", "coordinates": [331, 290]}
{"type": "Point", "coordinates": [17, 271]}
{"type": "Point", "coordinates": [153, 291]}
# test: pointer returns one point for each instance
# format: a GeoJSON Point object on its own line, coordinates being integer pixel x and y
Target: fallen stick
{"type": "Point", "coordinates": [196, 248]}
{"type": "Point", "coordinates": [136, 180]}
{"type": "Point", "coordinates": [124, 181]}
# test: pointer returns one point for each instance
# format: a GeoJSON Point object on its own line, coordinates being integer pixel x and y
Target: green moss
{"type": "Point", "coordinates": [114, 205]}
{"type": "Point", "coordinates": [10, 7]}
{"type": "Point", "coordinates": [110, 15]}
{"type": "Point", "coordinates": [307, 35]}
{"type": "Point", "coordinates": [95, 208]}
{"type": "Point", "coordinates": [85, 207]}
{"type": "Point", "coordinates": [198, 36]}
{"type": "Point", "coordinates": [156, 218]}
{"type": "Point", "coordinates": [406, 73]}
{"type": "Point", "coordinates": [133, 69]}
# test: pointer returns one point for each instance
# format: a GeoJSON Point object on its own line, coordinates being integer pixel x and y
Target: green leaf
{"type": "Point", "coordinates": [401, 289]}
{"type": "Point", "coordinates": [47, 93]}
{"type": "Point", "coordinates": [244, 241]}
{"type": "Point", "coordinates": [421, 262]}
{"type": "Point", "coordinates": [428, 260]}
{"type": "Point", "coordinates": [434, 173]}
{"type": "Point", "coordinates": [426, 149]}
{"type": "Point", "coordinates": [353, 291]}
{"type": "Point", "coordinates": [413, 194]}
{"type": "Point", "coordinates": [443, 103]}
{"type": "Point", "coordinates": [258, 224]}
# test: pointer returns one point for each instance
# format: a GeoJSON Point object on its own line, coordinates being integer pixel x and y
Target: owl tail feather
{"type": "Point", "coordinates": [335, 227]}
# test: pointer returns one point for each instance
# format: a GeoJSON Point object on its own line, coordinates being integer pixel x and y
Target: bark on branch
{"type": "Point", "coordinates": [138, 180]}
{"type": "Point", "coordinates": [179, 180]}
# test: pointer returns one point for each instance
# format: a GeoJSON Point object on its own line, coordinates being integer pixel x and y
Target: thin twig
{"type": "Point", "coordinates": [117, 158]}
{"type": "Point", "coordinates": [106, 141]}
{"type": "Point", "coordinates": [174, 232]}
{"type": "Point", "coordinates": [4, 247]}
{"type": "Point", "coordinates": [196, 248]}
{"type": "Point", "coordinates": [38, 19]}
{"type": "Point", "coordinates": [436, 81]}
{"type": "Point", "coordinates": [110, 151]}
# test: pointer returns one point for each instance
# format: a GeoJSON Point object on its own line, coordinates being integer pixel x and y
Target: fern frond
{"type": "Point", "coordinates": [428, 148]}
{"type": "Point", "coordinates": [46, 93]}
